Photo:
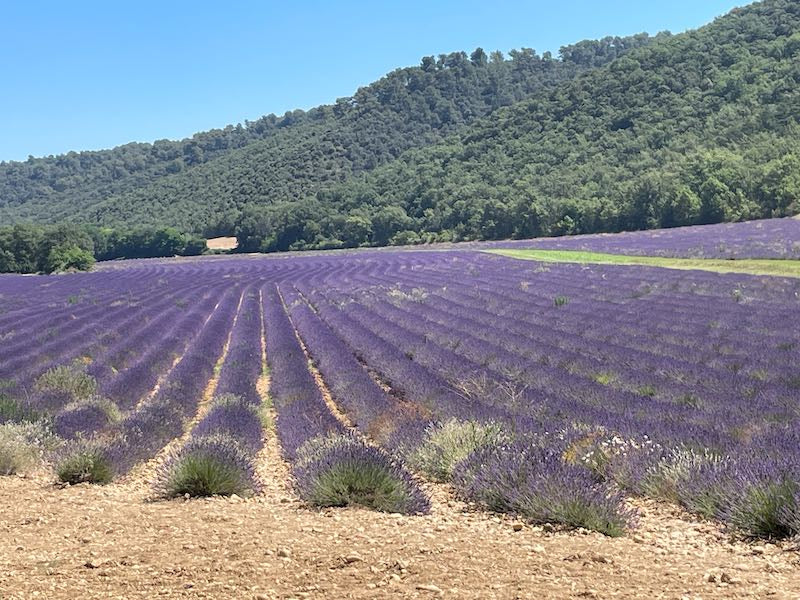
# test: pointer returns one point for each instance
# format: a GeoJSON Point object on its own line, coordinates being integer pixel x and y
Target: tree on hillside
{"type": "Point", "coordinates": [67, 258]}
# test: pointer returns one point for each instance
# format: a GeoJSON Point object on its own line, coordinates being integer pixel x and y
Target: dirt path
{"type": "Point", "coordinates": [107, 542]}
{"type": "Point", "coordinates": [272, 470]}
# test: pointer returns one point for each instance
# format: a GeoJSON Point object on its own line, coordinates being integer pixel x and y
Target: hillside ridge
{"type": "Point", "coordinates": [286, 157]}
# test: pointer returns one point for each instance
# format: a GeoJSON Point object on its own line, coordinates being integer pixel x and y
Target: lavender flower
{"type": "Point", "coordinates": [85, 417]}
{"type": "Point", "coordinates": [234, 417]}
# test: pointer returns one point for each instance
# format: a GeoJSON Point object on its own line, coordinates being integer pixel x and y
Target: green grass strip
{"type": "Point", "coordinates": [752, 266]}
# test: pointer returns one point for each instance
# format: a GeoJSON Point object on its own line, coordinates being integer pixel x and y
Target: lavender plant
{"type": "Point", "coordinates": [760, 498]}
{"type": "Point", "coordinates": [14, 410]}
{"type": "Point", "coordinates": [340, 470]}
{"type": "Point", "coordinates": [83, 462]}
{"type": "Point", "coordinates": [65, 383]}
{"type": "Point", "coordinates": [234, 417]}
{"type": "Point", "coordinates": [530, 479]}
{"type": "Point", "coordinates": [211, 465]}
{"type": "Point", "coordinates": [672, 473]}
{"type": "Point", "coordinates": [85, 417]}
{"type": "Point", "coordinates": [447, 444]}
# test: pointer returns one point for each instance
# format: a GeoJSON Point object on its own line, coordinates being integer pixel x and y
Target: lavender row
{"type": "Point", "coordinates": [235, 413]}
{"type": "Point", "coordinates": [243, 364]}
{"type": "Point", "coordinates": [301, 410]}
{"type": "Point", "coordinates": [331, 466]}
{"type": "Point", "coordinates": [219, 457]}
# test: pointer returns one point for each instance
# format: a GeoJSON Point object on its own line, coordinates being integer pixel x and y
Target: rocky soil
{"type": "Point", "coordinates": [116, 542]}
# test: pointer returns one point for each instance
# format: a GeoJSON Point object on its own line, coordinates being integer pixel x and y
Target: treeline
{"type": "Point", "coordinates": [203, 183]}
{"type": "Point", "coordinates": [50, 249]}
{"type": "Point", "coordinates": [698, 128]}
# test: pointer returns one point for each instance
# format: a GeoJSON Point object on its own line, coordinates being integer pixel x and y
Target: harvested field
{"type": "Point", "coordinates": [222, 243]}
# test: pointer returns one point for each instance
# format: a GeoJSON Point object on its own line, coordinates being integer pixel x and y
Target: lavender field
{"type": "Point", "coordinates": [771, 238]}
{"type": "Point", "coordinates": [551, 391]}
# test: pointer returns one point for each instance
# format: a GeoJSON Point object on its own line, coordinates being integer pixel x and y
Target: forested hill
{"type": "Point", "coordinates": [698, 128]}
{"type": "Point", "coordinates": [622, 133]}
{"type": "Point", "coordinates": [201, 183]}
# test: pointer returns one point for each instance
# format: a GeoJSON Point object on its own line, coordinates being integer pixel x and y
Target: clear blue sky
{"type": "Point", "coordinates": [87, 74]}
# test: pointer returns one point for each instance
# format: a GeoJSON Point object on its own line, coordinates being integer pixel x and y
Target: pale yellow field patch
{"type": "Point", "coordinates": [222, 243]}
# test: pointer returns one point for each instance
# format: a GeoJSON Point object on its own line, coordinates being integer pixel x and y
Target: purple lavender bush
{"type": "Point", "coordinates": [85, 417]}
{"type": "Point", "coordinates": [761, 497]}
{"type": "Point", "coordinates": [142, 433]}
{"type": "Point", "coordinates": [340, 470]}
{"type": "Point", "coordinates": [214, 465]}
{"type": "Point", "coordinates": [705, 492]}
{"type": "Point", "coordinates": [533, 480]}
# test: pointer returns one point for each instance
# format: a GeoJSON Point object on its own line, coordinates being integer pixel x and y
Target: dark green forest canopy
{"type": "Point", "coordinates": [202, 183]}
{"type": "Point", "coordinates": [698, 128]}
{"type": "Point", "coordinates": [621, 133]}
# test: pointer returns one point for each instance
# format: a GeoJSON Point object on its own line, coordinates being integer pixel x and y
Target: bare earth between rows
{"type": "Point", "coordinates": [111, 542]}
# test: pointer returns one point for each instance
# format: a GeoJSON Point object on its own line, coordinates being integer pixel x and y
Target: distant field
{"type": "Point", "coordinates": [753, 266]}
{"type": "Point", "coordinates": [222, 243]}
{"type": "Point", "coordinates": [766, 239]}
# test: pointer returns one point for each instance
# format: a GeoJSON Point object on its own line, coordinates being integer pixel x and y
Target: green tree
{"type": "Point", "coordinates": [387, 221]}
{"type": "Point", "coordinates": [68, 258]}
